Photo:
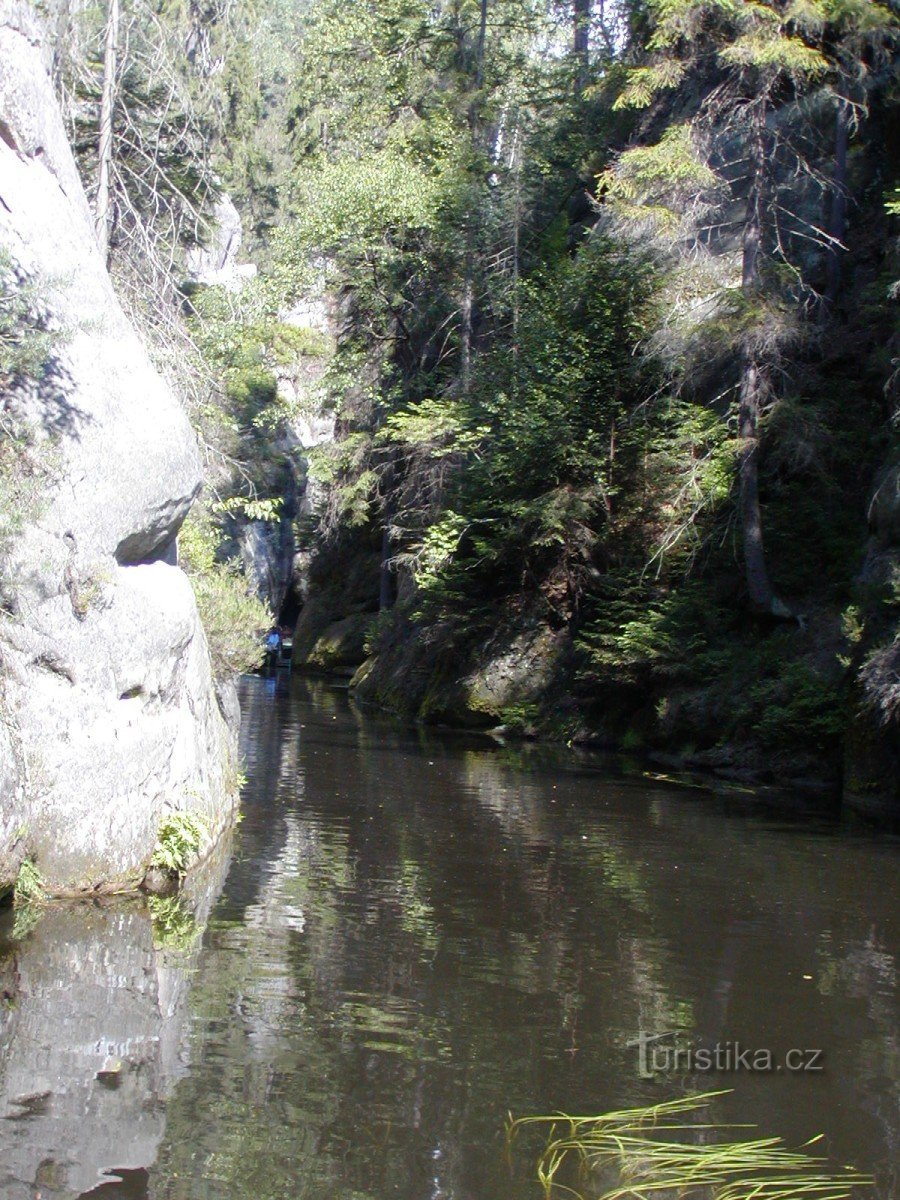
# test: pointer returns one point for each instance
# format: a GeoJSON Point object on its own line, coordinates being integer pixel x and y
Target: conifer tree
{"type": "Point", "coordinates": [753, 62]}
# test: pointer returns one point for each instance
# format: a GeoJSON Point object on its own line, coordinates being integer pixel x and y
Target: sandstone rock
{"type": "Point", "coordinates": [267, 554]}
{"type": "Point", "coordinates": [216, 263]}
{"type": "Point", "coordinates": [109, 714]}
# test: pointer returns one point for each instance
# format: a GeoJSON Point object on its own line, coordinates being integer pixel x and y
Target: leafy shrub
{"type": "Point", "coordinates": [234, 618]}
{"type": "Point", "coordinates": [29, 886]}
{"type": "Point", "coordinates": [178, 842]}
{"type": "Point", "coordinates": [798, 706]}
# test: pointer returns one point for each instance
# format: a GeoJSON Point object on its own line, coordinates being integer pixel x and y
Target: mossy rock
{"type": "Point", "coordinates": [513, 677]}
{"type": "Point", "coordinates": [340, 646]}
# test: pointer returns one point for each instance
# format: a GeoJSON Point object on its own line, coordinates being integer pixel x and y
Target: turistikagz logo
{"type": "Point", "coordinates": [670, 1053]}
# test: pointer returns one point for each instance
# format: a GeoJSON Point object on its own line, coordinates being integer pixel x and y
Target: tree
{"type": "Point", "coordinates": [581, 42]}
{"type": "Point", "coordinates": [102, 210]}
{"type": "Point", "coordinates": [754, 62]}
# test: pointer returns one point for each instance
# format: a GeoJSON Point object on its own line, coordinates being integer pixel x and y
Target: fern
{"type": "Point", "coordinates": [180, 838]}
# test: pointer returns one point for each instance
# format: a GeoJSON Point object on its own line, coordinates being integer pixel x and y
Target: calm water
{"type": "Point", "coordinates": [415, 936]}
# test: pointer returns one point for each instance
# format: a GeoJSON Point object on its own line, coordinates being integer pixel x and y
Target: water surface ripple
{"type": "Point", "coordinates": [418, 934]}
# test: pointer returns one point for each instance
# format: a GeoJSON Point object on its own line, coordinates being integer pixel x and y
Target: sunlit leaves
{"type": "Point", "coordinates": [650, 183]}
{"type": "Point", "coordinates": [747, 34]}
{"type": "Point", "coordinates": [439, 427]}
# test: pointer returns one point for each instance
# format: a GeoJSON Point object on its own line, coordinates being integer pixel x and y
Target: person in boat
{"type": "Point", "coordinates": [273, 645]}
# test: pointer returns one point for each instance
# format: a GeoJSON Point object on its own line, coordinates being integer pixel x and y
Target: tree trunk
{"type": "Point", "coordinates": [754, 389]}
{"type": "Point", "coordinates": [753, 392]}
{"type": "Point", "coordinates": [468, 296]}
{"type": "Point", "coordinates": [107, 106]}
{"type": "Point", "coordinates": [837, 218]}
{"type": "Point", "coordinates": [479, 49]}
{"type": "Point", "coordinates": [581, 43]}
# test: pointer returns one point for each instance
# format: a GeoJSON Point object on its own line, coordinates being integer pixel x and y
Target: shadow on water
{"type": "Point", "coordinates": [419, 933]}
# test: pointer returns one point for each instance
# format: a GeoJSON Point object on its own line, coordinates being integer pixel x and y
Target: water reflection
{"type": "Point", "coordinates": [423, 932]}
{"type": "Point", "coordinates": [420, 933]}
{"type": "Point", "coordinates": [92, 1016]}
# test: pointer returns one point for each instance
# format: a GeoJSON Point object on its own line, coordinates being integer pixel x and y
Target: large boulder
{"type": "Point", "coordinates": [108, 712]}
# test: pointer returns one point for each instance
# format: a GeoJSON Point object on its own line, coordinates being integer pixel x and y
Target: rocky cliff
{"type": "Point", "coordinates": [108, 712]}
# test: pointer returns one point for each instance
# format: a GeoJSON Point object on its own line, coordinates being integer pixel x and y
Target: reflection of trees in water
{"type": "Point", "coordinates": [419, 936]}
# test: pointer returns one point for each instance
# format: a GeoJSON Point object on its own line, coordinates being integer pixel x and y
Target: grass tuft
{"type": "Point", "coordinates": [659, 1151]}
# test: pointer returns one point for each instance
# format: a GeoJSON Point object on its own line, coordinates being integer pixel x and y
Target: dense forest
{"type": "Point", "coordinates": [561, 393]}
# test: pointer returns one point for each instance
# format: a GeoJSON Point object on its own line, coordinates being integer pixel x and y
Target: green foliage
{"type": "Point", "coordinates": [26, 342]}
{"type": "Point", "coordinates": [233, 617]}
{"type": "Point", "coordinates": [664, 1150]}
{"type": "Point", "coordinates": [363, 203]}
{"type": "Point", "coordinates": [244, 343]}
{"type": "Point", "coordinates": [547, 440]}
{"type": "Point", "coordinates": [633, 633]}
{"type": "Point", "coordinates": [27, 346]}
{"type": "Point", "coordinates": [29, 886]}
{"type": "Point", "coordinates": [179, 840]}
{"type": "Point", "coordinates": [798, 705]}
{"type": "Point", "coordinates": [439, 427]}
{"type": "Point", "coordinates": [174, 926]}
{"type": "Point", "coordinates": [439, 545]}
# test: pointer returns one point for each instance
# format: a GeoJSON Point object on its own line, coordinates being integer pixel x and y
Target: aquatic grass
{"type": "Point", "coordinates": [633, 1151]}
{"type": "Point", "coordinates": [178, 842]}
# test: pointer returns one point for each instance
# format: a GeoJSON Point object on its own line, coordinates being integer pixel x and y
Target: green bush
{"type": "Point", "coordinates": [179, 841]}
{"type": "Point", "coordinates": [29, 886]}
{"type": "Point", "coordinates": [234, 618]}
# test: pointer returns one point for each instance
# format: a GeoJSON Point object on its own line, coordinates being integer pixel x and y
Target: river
{"type": "Point", "coordinates": [414, 934]}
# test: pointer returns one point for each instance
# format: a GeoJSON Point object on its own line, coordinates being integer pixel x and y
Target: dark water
{"type": "Point", "coordinates": [417, 935]}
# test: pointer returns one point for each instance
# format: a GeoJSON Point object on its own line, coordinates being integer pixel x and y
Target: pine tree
{"type": "Point", "coordinates": [752, 62]}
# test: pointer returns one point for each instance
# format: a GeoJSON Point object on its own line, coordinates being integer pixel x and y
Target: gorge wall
{"type": "Point", "coordinates": [109, 715]}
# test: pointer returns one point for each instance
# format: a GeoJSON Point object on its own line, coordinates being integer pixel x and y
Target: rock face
{"type": "Point", "coordinates": [505, 684]}
{"type": "Point", "coordinates": [108, 713]}
{"type": "Point", "coordinates": [217, 262]}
